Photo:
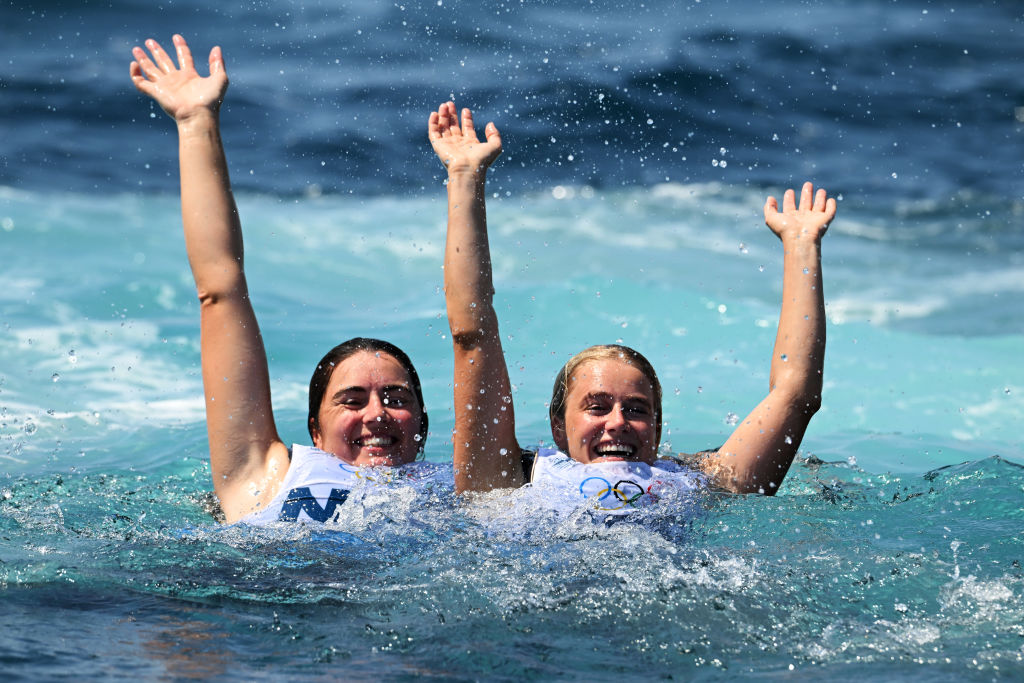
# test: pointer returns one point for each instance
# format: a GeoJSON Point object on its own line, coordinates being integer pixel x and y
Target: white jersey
{"type": "Point", "coordinates": [317, 483]}
{"type": "Point", "coordinates": [613, 488]}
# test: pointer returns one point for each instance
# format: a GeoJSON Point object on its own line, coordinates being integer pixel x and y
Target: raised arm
{"type": "Point", "coordinates": [757, 456]}
{"type": "Point", "coordinates": [248, 460]}
{"type": "Point", "coordinates": [486, 452]}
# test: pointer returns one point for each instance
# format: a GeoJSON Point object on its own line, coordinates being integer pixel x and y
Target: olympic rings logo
{"type": "Point", "coordinates": [609, 498]}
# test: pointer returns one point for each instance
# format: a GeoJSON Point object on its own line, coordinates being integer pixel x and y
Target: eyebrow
{"type": "Point", "coordinates": [605, 395]}
{"type": "Point", "coordinates": [356, 388]}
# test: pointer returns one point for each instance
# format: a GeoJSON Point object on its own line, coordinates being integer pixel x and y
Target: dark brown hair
{"type": "Point", "coordinates": [325, 368]}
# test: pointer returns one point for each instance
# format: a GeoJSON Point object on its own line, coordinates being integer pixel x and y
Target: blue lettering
{"type": "Point", "coordinates": [302, 500]}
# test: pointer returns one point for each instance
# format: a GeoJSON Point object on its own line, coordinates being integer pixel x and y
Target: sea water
{"type": "Point", "coordinates": [640, 144]}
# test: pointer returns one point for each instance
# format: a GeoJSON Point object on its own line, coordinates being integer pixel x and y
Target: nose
{"type": "Point", "coordinates": [616, 420]}
{"type": "Point", "coordinates": [376, 409]}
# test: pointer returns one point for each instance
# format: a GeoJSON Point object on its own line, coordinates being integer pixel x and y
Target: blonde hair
{"type": "Point", "coordinates": [603, 352]}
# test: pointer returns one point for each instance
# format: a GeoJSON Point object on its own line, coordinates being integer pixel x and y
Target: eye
{"type": "Point", "coordinates": [637, 409]}
{"type": "Point", "coordinates": [396, 399]}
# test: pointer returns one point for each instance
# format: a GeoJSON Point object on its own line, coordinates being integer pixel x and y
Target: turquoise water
{"type": "Point", "coordinates": [893, 549]}
{"type": "Point", "coordinates": [640, 142]}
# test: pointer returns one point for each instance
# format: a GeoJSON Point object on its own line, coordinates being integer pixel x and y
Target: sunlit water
{"type": "Point", "coordinates": [893, 549]}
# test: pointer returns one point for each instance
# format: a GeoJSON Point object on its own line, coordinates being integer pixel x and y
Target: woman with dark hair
{"type": "Point", "coordinates": [606, 408]}
{"type": "Point", "coordinates": [366, 405]}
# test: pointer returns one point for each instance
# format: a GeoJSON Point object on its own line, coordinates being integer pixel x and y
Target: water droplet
{"type": "Point", "coordinates": [789, 439]}
{"type": "Point", "coordinates": [760, 269]}
{"type": "Point", "coordinates": [784, 358]}
{"type": "Point", "coordinates": [418, 437]}
{"type": "Point", "coordinates": [806, 271]}
{"type": "Point", "coordinates": [852, 461]}
{"type": "Point", "coordinates": [72, 358]}
{"type": "Point", "coordinates": [55, 377]}
{"type": "Point", "coordinates": [700, 390]}
{"type": "Point", "coordinates": [30, 427]}
{"type": "Point", "coordinates": [731, 418]}
{"type": "Point", "coordinates": [503, 451]}
{"type": "Point", "coordinates": [743, 248]}
{"type": "Point", "coordinates": [1006, 391]}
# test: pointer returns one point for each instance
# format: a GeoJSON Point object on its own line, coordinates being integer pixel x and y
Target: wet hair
{"type": "Point", "coordinates": [325, 369]}
{"type": "Point", "coordinates": [567, 374]}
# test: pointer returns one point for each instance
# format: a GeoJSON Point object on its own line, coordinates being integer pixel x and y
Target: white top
{"type": "Point", "coordinates": [317, 483]}
{"type": "Point", "coordinates": [612, 488]}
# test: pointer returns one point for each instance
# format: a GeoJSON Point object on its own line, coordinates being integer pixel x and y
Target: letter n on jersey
{"type": "Point", "coordinates": [302, 500]}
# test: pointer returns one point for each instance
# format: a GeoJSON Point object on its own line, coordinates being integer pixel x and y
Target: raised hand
{"type": "Point", "coordinates": [458, 146]}
{"type": "Point", "coordinates": [179, 90]}
{"type": "Point", "coordinates": [808, 221]}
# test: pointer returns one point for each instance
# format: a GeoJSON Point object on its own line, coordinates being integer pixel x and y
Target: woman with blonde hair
{"type": "Point", "coordinates": [606, 407]}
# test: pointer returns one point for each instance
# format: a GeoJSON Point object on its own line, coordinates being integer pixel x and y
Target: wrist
{"type": "Point", "coordinates": [467, 178]}
{"type": "Point", "coordinates": [200, 121]}
{"type": "Point", "coordinates": [803, 243]}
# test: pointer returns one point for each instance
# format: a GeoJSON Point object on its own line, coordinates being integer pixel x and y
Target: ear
{"type": "Point", "coordinates": [558, 434]}
{"type": "Point", "coordinates": [315, 432]}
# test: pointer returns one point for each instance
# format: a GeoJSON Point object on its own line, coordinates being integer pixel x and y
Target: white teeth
{"type": "Point", "coordinates": [376, 441]}
{"type": "Point", "coordinates": [616, 448]}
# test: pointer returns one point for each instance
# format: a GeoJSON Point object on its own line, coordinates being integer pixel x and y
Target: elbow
{"type": "Point", "coordinates": [808, 403]}
{"type": "Point", "coordinates": [467, 338]}
{"type": "Point", "coordinates": [802, 393]}
{"type": "Point", "coordinates": [471, 332]}
{"type": "Point", "coordinates": [207, 297]}
{"type": "Point", "coordinates": [211, 294]}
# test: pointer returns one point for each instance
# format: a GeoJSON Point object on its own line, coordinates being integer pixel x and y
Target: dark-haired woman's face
{"type": "Point", "coordinates": [609, 414]}
{"type": "Point", "coordinates": [369, 414]}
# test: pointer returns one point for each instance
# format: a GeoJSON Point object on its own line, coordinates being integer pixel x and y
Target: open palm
{"type": "Point", "coordinates": [179, 90]}
{"type": "Point", "coordinates": [808, 220]}
{"type": "Point", "coordinates": [457, 145]}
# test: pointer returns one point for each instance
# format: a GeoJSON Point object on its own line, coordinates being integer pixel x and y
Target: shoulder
{"type": "Point", "coordinates": [693, 461]}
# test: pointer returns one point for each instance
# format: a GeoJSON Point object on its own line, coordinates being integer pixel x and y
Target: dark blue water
{"type": "Point", "coordinates": [881, 99]}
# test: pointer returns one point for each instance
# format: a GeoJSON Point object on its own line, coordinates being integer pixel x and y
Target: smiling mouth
{"type": "Point", "coordinates": [616, 450]}
{"type": "Point", "coordinates": [375, 441]}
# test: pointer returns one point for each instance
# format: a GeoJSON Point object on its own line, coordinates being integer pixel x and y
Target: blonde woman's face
{"type": "Point", "coordinates": [609, 414]}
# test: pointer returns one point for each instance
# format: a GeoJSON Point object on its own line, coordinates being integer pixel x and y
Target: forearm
{"type": "Point", "coordinates": [469, 289]}
{"type": "Point", "coordinates": [213, 234]}
{"type": "Point", "coordinates": [799, 354]}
